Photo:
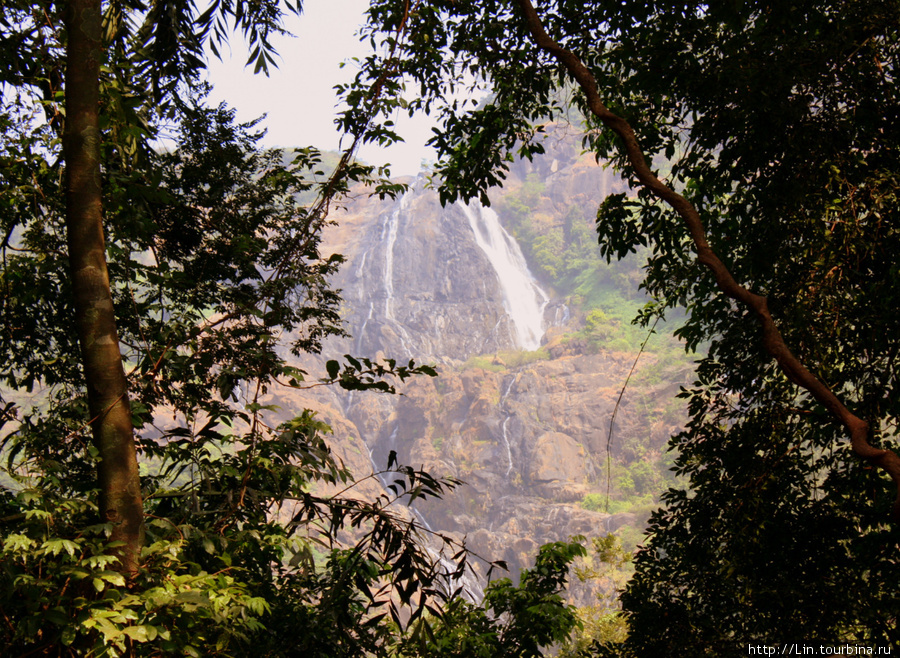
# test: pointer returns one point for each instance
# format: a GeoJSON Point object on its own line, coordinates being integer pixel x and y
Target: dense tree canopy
{"type": "Point", "coordinates": [215, 274]}
{"type": "Point", "coordinates": [774, 228]}
{"type": "Point", "coordinates": [149, 300]}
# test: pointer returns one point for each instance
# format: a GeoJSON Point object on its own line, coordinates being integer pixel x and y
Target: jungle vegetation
{"type": "Point", "coordinates": [772, 228]}
{"type": "Point", "coordinates": [148, 300]}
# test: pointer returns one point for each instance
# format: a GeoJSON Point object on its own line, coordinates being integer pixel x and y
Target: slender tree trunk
{"type": "Point", "coordinates": [120, 491]}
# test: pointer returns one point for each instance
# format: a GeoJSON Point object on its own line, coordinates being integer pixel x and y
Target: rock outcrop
{"type": "Point", "coordinates": [528, 436]}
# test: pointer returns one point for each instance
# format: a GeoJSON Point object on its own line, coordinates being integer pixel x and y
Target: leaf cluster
{"type": "Point", "coordinates": [778, 122]}
{"type": "Point", "coordinates": [217, 277]}
{"type": "Point", "coordinates": [511, 621]}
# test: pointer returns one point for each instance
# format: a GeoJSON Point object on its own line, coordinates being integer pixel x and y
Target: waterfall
{"type": "Point", "coordinates": [362, 329]}
{"type": "Point", "coordinates": [561, 321]}
{"type": "Point", "coordinates": [391, 240]}
{"type": "Point", "coordinates": [507, 415]}
{"type": "Point", "coordinates": [509, 458]}
{"type": "Point", "coordinates": [377, 263]}
{"type": "Point", "coordinates": [523, 299]}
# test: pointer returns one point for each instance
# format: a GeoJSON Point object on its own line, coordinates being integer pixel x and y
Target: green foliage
{"type": "Point", "coordinates": [503, 361]}
{"type": "Point", "coordinates": [606, 567]}
{"type": "Point", "coordinates": [775, 501]}
{"type": "Point", "coordinates": [511, 621]}
{"type": "Point", "coordinates": [625, 484]}
{"type": "Point", "coordinates": [484, 362]}
{"type": "Point", "coordinates": [564, 254]}
{"type": "Point", "coordinates": [595, 502]}
{"type": "Point", "coordinates": [779, 120]}
{"type": "Point", "coordinates": [642, 476]}
{"type": "Point", "coordinates": [599, 328]}
{"type": "Point", "coordinates": [216, 275]}
{"type": "Point", "coordinates": [623, 499]}
{"type": "Point", "coordinates": [59, 588]}
{"type": "Point", "coordinates": [546, 250]}
{"type": "Point", "coordinates": [211, 583]}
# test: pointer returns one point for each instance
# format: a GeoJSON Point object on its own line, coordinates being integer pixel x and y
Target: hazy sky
{"type": "Point", "coordinates": [298, 98]}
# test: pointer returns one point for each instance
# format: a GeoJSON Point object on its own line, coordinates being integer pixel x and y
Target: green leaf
{"type": "Point", "coordinates": [140, 633]}
{"type": "Point", "coordinates": [67, 637]}
{"type": "Point", "coordinates": [112, 577]}
{"type": "Point", "coordinates": [333, 368]}
{"type": "Point", "coordinates": [57, 546]}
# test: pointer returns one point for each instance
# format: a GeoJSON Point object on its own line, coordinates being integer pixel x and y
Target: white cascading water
{"type": "Point", "coordinates": [508, 447]}
{"type": "Point", "coordinates": [390, 240]}
{"type": "Point", "coordinates": [523, 298]}
{"type": "Point", "coordinates": [504, 434]}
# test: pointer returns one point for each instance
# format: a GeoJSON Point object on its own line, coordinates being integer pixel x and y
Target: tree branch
{"type": "Point", "coordinates": [857, 428]}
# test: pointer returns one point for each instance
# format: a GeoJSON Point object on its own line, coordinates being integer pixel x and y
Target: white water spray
{"type": "Point", "coordinates": [562, 315]}
{"type": "Point", "coordinates": [509, 460]}
{"type": "Point", "coordinates": [392, 225]}
{"type": "Point", "coordinates": [523, 298]}
{"type": "Point", "coordinates": [389, 236]}
{"type": "Point", "coordinates": [505, 435]}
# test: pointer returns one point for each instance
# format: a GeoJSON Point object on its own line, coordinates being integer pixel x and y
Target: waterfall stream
{"type": "Point", "coordinates": [506, 416]}
{"type": "Point", "coordinates": [523, 298]}
{"type": "Point", "coordinates": [385, 275]}
{"type": "Point", "coordinates": [390, 240]}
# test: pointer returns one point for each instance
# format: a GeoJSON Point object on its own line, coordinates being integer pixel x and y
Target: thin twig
{"type": "Point", "coordinates": [616, 410]}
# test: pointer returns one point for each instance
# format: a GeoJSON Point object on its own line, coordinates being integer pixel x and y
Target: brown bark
{"type": "Point", "coordinates": [120, 492]}
{"type": "Point", "coordinates": [857, 429]}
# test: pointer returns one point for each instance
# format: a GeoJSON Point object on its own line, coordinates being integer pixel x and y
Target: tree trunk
{"type": "Point", "coordinates": [120, 491]}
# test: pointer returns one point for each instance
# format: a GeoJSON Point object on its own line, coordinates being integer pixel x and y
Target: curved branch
{"type": "Point", "coordinates": [856, 427]}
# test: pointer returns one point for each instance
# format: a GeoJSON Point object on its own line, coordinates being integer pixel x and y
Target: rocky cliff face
{"type": "Point", "coordinates": [530, 442]}
{"type": "Point", "coordinates": [431, 283]}
{"type": "Point", "coordinates": [526, 430]}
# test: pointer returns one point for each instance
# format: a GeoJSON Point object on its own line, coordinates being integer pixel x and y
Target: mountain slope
{"type": "Point", "coordinates": [532, 358]}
